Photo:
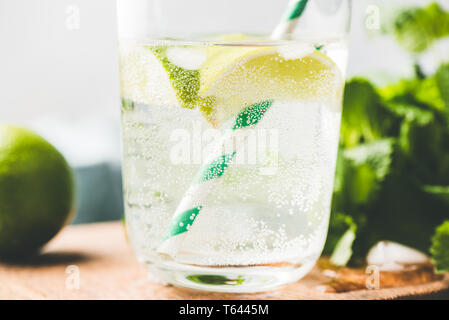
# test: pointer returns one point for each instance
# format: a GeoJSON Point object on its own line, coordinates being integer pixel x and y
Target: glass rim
{"type": "Point", "coordinates": [136, 23]}
{"type": "Point", "coordinates": [257, 41]}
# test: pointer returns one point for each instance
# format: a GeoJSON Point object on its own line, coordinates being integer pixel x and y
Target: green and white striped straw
{"type": "Point", "coordinates": [193, 200]}
{"type": "Point", "coordinates": [290, 19]}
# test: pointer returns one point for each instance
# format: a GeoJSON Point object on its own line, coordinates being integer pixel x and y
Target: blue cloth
{"type": "Point", "coordinates": [98, 193]}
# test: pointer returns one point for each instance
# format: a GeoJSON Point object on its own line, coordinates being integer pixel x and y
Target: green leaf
{"type": "Point", "coordinates": [339, 223]}
{"type": "Point", "coordinates": [442, 81]}
{"type": "Point", "coordinates": [212, 279]}
{"type": "Point", "coordinates": [429, 93]}
{"type": "Point", "coordinates": [402, 213]}
{"type": "Point", "coordinates": [416, 29]}
{"type": "Point", "coordinates": [414, 91]}
{"type": "Point", "coordinates": [365, 118]}
{"type": "Point", "coordinates": [366, 166]}
{"type": "Point", "coordinates": [440, 248]}
{"type": "Point", "coordinates": [127, 104]}
{"type": "Point", "coordinates": [343, 250]}
{"type": "Point", "coordinates": [410, 112]}
{"type": "Point", "coordinates": [423, 133]}
{"type": "Point", "coordinates": [426, 146]}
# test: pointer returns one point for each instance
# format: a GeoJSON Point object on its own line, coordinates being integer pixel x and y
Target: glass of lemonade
{"type": "Point", "coordinates": [230, 123]}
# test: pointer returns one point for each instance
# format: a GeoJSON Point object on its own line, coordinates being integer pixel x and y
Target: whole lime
{"type": "Point", "coordinates": [36, 191]}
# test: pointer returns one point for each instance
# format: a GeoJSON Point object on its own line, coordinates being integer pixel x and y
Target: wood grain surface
{"type": "Point", "coordinates": [108, 269]}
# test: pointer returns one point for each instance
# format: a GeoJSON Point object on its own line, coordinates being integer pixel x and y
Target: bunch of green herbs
{"type": "Point", "coordinates": [392, 177]}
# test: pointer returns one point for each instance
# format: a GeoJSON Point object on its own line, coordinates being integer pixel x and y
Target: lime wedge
{"type": "Point", "coordinates": [155, 75]}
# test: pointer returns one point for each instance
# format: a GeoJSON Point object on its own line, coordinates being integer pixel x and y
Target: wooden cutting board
{"type": "Point", "coordinates": [108, 269]}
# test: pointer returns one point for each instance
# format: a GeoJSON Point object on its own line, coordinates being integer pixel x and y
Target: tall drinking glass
{"type": "Point", "coordinates": [230, 123]}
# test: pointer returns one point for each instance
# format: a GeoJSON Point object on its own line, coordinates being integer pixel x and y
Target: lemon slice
{"type": "Point", "coordinates": [156, 74]}
{"type": "Point", "coordinates": [234, 77]}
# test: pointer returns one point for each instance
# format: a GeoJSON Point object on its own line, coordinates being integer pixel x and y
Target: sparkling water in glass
{"type": "Point", "coordinates": [211, 205]}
